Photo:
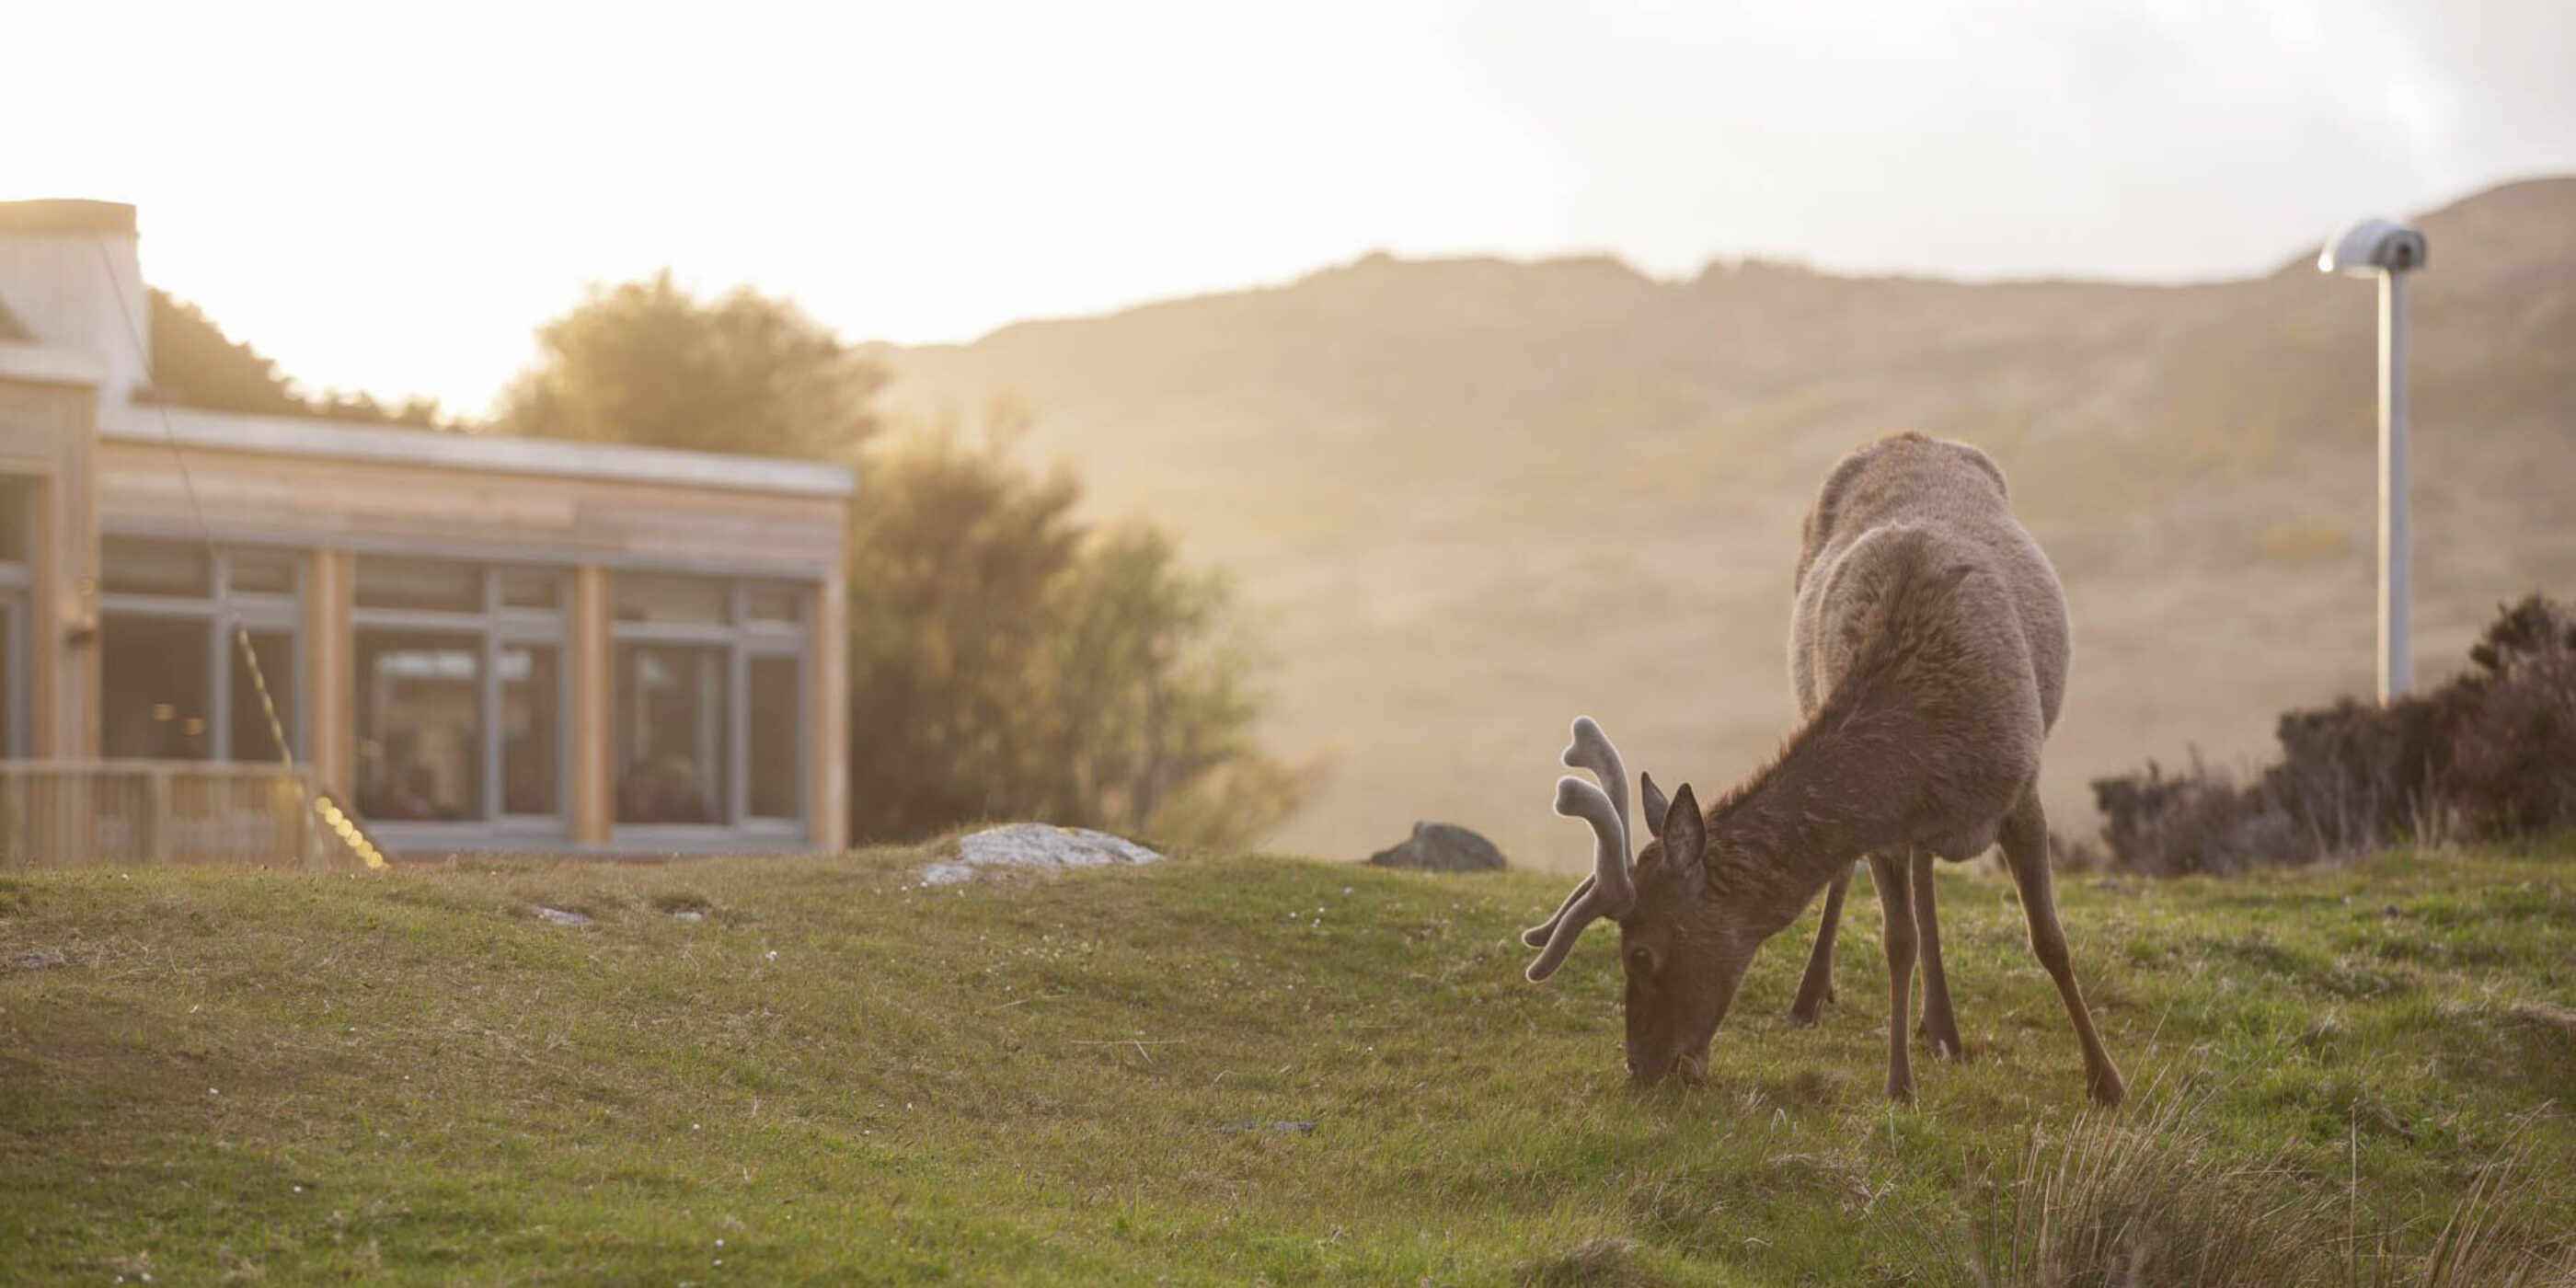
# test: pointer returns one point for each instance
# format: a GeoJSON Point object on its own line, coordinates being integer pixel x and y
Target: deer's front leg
{"type": "Point", "coordinates": [1896, 906]}
{"type": "Point", "coordinates": [1818, 987]}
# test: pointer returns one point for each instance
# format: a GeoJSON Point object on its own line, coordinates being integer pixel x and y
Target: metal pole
{"type": "Point", "coordinates": [2396, 648]}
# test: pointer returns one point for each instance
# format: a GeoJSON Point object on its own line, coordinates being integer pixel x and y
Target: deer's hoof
{"type": "Point", "coordinates": [2106, 1088]}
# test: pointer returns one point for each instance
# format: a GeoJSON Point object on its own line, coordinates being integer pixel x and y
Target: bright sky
{"type": "Point", "coordinates": [392, 198]}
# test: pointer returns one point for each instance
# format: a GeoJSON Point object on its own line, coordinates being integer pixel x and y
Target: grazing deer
{"type": "Point", "coordinates": [1928, 649]}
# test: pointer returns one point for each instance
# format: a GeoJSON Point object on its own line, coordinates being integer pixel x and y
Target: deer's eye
{"type": "Point", "coordinates": [1641, 960]}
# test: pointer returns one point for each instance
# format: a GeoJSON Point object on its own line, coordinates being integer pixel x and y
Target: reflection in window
{"type": "Point", "coordinates": [531, 772]}
{"type": "Point", "coordinates": [262, 572]}
{"type": "Point", "coordinates": [434, 584]}
{"type": "Point", "coordinates": [770, 601]}
{"type": "Point", "coordinates": [156, 691]}
{"type": "Point", "coordinates": [776, 739]}
{"type": "Point", "coordinates": [666, 597]}
{"type": "Point", "coordinates": [419, 725]}
{"type": "Point", "coordinates": [671, 725]}
{"type": "Point", "coordinates": [154, 568]}
{"type": "Point", "coordinates": [531, 589]}
{"type": "Point", "coordinates": [250, 737]}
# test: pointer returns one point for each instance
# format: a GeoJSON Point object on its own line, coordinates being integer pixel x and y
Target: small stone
{"type": "Point", "coordinates": [42, 959]}
{"type": "Point", "coordinates": [689, 915]}
{"type": "Point", "coordinates": [561, 917]}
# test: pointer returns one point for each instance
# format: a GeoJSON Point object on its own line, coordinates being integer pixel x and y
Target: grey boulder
{"type": "Point", "coordinates": [1441, 847]}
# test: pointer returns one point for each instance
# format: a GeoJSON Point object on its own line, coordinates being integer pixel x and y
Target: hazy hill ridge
{"type": "Point", "coordinates": [1471, 498]}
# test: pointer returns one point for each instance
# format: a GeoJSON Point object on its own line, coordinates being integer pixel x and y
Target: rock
{"type": "Point", "coordinates": [1037, 846]}
{"type": "Point", "coordinates": [561, 917]}
{"type": "Point", "coordinates": [688, 915]}
{"type": "Point", "coordinates": [1441, 847]}
{"type": "Point", "coordinates": [42, 959]}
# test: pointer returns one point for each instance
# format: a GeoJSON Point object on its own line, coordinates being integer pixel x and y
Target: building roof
{"type": "Point", "coordinates": [66, 215]}
{"type": "Point", "coordinates": [298, 436]}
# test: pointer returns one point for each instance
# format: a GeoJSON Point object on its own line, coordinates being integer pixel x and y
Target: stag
{"type": "Point", "coordinates": [1928, 649]}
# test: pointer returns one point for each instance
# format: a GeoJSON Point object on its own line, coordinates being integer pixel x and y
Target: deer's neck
{"type": "Point", "coordinates": [1838, 791]}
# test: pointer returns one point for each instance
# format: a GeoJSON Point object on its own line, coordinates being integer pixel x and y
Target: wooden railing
{"type": "Point", "coordinates": [58, 813]}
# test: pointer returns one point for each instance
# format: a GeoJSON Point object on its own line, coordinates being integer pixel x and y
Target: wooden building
{"type": "Point", "coordinates": [475, 642]}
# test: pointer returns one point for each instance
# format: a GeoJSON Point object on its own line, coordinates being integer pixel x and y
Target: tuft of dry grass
{"type": "Point", "coordinates": [2141, 1198]}
{"type": "Point", "coordinates": [2147, 1199]}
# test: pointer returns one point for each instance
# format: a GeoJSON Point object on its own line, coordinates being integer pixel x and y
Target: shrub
{"type": "Point", "coordinates": [2488, 756]}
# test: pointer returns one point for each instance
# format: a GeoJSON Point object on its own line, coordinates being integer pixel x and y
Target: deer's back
{"type": "Point", "coordinates": [1908, 506]}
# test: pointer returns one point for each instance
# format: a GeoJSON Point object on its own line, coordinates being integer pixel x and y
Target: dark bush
{"type": "Point", "coordinates": [2488, 756]}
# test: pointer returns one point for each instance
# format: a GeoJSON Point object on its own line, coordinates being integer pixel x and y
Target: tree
{"type": "Point", "coordinates": [1008, 662]}
{"type": "Point", "coordinates": [194, 364]}
{"type": "Point", "coordinates": [647, 362]}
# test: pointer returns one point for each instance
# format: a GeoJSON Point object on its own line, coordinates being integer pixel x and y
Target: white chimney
{"type": "Point", "coordinates": [71, 278]}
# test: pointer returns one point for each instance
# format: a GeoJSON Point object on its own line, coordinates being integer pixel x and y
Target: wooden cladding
{"type": "Point", "coordinates": [467, 513]}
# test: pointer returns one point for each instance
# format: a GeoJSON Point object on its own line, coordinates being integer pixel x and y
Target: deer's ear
{"type": "Point", "coordinates": [1655, 804]}
{"type": "Point", "coordinates": [1683, 832]}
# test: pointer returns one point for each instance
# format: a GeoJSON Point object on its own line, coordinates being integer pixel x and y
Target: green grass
{"type": "Point", "coordinates": [264, 1077]}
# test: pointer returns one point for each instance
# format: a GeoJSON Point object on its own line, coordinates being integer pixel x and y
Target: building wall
{"type": "Point", "coordinates": [45, 443]}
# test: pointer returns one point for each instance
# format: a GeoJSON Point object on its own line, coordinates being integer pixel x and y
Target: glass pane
{"type": "Point", "coordinates": [156, 688]}
{"type": "Point", "coordinates": [671, 724]}
{"type": "Point", "coordinates": [11, 663]}
{"type": "Point", "coordinates": [531, 589]}
{"type": "Point", "coordinates": [17, 519]}
{"type": "Point", "coordinates": [419, 583]}
{"type": "Point", "coordinates": [420, 741]}
{"type": "Point", "coordinates": [153, 568]}
{"type": "Point", "coordinates": [777, 740]}
{"type": "Point", "coordinates": [531, 765]}
{"type": "Point", "coordinates": [263, 572]}
{"type": "Point", "coordinates": [771, 601]}
{"type": "Point", "coordinates": [251, 738]}
{"type": "Point", "coordinates": [661, 597]}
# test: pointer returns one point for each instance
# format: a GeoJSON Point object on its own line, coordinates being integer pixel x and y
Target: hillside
{"type": "Point", "coordinates": [831, 1075]}
{"type": "Point", "coordinates": [1469, 499]}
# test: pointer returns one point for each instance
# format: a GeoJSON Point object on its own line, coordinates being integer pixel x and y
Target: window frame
{"type": "Point", "coordinates": [225, 612]}
{"type": "Point", "coordinates": [741, 638]}
{"type": "Point", "coordinates": [493, 627]}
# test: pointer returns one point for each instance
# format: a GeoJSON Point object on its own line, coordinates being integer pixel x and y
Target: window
{"type": "Point", "coordinates": [251, 738]}
{"type": "Point", "coordinates": [158, 698]}
{"type": "Point", "coordinates": [672, 724]}
{"type": "Point", "coordinates": [531, 708]}
{"type": "Point", "coordinates": [173, 682]}
{"type": "Point", "coordinates": [709, 693]}
{"type": "Point", "coordinates": [461, 702]}
{"type": "Point", "coordinates": [17, 584]}
{"type": "Point", "coordinates": [419, 726]}
{"type": "Point", "coordinates": [17, 520]}
{"type": "Point", "coordinates": [774, 784]}
{"type": "Point", "coordinates": [659, 597]}
{"type": "Point", "coordinates": [155, 568]}
{"type": "Point", "coordinates": [430, 584]}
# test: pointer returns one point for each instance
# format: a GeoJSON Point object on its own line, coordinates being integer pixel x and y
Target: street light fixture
{"type": "Point", "coordinates": [2385, 250]}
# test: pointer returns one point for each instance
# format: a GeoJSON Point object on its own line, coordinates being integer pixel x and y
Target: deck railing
{"type": "Point", "coordinates": [58, 813]}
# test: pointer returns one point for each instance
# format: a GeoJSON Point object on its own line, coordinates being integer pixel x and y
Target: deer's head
{"type": "Point", "coordinates": [1682, 951]}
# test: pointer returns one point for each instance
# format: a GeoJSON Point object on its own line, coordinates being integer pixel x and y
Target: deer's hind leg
{"type": "Point", "coordinates": [1817, 988]}
{"type": "Point", "coordinates": [2025, 840]}
{"type": "Point", "coordinates": [1940, 1023]}
{"type": "Point", "coordinates": [1892, 874]}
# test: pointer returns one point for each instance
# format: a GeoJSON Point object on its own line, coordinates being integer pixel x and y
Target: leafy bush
{"type": "Point", "coordinates": [2488, 756]}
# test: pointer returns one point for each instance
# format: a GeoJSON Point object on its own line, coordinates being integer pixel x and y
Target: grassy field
{"type": "Point", "coordinates": [832, 1076]}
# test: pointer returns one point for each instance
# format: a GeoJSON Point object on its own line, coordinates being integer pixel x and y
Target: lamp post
{"type": "Point", "coordinates": [2386, 250]}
